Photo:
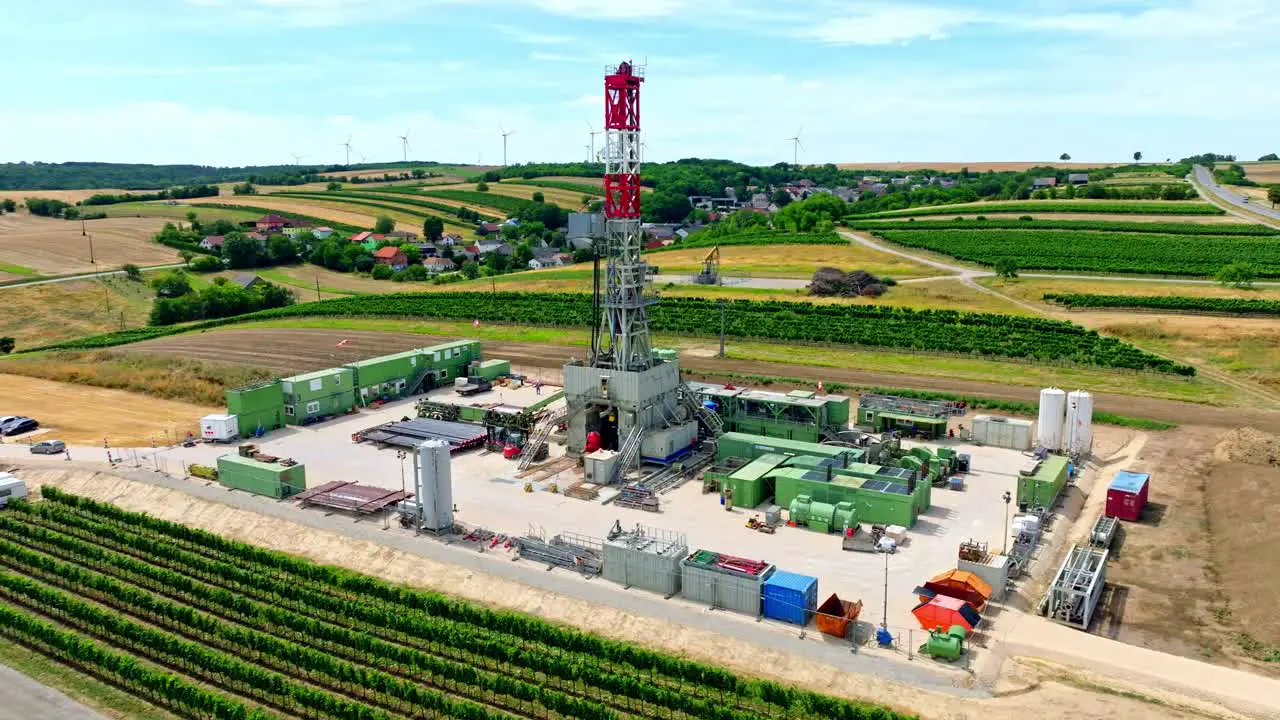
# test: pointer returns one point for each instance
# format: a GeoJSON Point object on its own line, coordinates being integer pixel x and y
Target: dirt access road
{"type": "Point", "coordinates": [287, 350]}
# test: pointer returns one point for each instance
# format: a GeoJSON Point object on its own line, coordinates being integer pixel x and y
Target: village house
{"type": "Point", "coordinates": [449, 240]}
{"type": "Point", "coordinates": [544, 258]}
{"type": "Point", "coordinates": [488, 228]}
{"type": "Point", "coordinates": [272, 223]}
{"type": "Point", "coordinates": [247, 280]}
{"type": "Point", "coordinates": [361, 237]}
{"type": "Point", "coordinates": [1044, 182]}
{"type": "Point", "coordinates": [402, 236]}
{"type": "Point", "coordinates": [437, 265]}
{"type": "Point", "coordinates": [470, 252]}
{"type": "Point", "coordinates": [213, 242]}
{"type": "Point", "coordinates": [489, 245]}
{"type": "Point", "coordinates": [1078, 178]}
{"type": "Point", "coordinates": [392, 257]}
{"type": "Point", "coordinates": [295, 228]}
{"type": "Point", "coordinates": [258, 238]}
{"type": "Point", "coordinates": [322, 232]}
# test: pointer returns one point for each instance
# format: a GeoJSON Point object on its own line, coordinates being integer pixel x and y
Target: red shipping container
{"type": "Point", "coordinates": [1127, 495]}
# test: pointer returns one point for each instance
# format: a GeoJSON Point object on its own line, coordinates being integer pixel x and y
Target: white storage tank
{"type": "Point", "coordinates": [1079, 428]}
{"type": "Point", "coordinates": [219, 428]}
{"type": "Point", "coordinates": [434, 485]}
{"type": "Point", "coordinates": [1053, 411]}
{"type": "Point", "coordinates": [1002, 432]}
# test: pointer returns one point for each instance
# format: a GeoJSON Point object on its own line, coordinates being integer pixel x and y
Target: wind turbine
{"type": "Point", "coordinates": [795, 146]}
{"type": "Point", "coordinates": [347, 145]}
{"type": "Point", "coordinates": [594, 132]}
{"type": "Point", "coordinates": [297, 158]}
{"type": "Point", "coordinates": [404, 144]}
{"type": "Point", "coordinates": [505, 133]}
{"type": "Point", "coordinates": [590, 150]}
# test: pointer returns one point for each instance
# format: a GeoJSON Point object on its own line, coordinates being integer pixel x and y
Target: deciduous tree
{"type": "Point", "coordinates": [6, 345]}
{"type": "Point", "coordinates": [433, 228]}
{"type": "Point", "coordinates": [1137, 157]}
{"type": "Point", "coordinates": [1239, 274]}
{"type": "Point", "coordinates": [1064, 157]}
{"type": "Point", "coordinates": [1006, 268]}
{"type": "Point", "coordinates": [385, 224]}
{"type": "Point", "coordinates": [1273, 195]}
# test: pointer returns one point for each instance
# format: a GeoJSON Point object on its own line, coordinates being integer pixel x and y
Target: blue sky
{"type": "Point", "coordinates": [231, 82]}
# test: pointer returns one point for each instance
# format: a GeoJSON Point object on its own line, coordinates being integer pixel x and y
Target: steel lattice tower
{"type": "Point", "coordinates": [623, 342]}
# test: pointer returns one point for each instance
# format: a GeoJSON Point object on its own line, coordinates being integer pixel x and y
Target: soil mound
{"type": "Point", "coordinates": [1249, 446]}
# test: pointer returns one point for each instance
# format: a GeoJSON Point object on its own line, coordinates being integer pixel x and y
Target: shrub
{"type": "Point", "coordinates": [382, 272]}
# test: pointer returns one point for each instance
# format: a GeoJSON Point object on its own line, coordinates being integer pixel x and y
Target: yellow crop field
{"type": "Point", "coordinates": [49, 246]}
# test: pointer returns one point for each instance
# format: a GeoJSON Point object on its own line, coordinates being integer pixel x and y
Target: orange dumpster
{"type": "Point", "coordinates": [957, 584]}
{"type": "Point", "coordinates": [834, 615]}
{"type": "Point", "coordinates": [941, 612]}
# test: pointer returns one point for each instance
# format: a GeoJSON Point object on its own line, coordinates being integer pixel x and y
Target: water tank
{"type": "Point", "coordinates": [1079, 428]}
{"type": "Point", "coordinates": [434, 485]}
{"type": "Point", "coordinates": [1053, 410]}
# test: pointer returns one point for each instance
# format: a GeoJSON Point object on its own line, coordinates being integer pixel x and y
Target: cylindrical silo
{"type": "Point", "coordinates": [1079, 429]}
{"type": "Point", "coordinates": [1053, 410]}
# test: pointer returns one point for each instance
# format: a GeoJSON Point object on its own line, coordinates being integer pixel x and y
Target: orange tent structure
{"type": "Point", "coordinates": [957, 584]}
{"type": "Point", "coordinates": [941, 612]}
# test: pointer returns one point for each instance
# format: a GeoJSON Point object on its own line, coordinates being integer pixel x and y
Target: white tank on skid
{"type": "Point", "coordinates": [1053, 410]}
{"type": "Point", "coordinates": [1079, 429]}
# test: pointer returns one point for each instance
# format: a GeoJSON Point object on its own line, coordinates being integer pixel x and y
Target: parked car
{"type": "Point", "coordinates": [5, 420]}
{"type": "Point", "coordinates": [49, 447]}
{"type": "Point", "coordinates": [18, 425]}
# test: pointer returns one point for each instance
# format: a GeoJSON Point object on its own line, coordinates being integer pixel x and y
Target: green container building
{"type": "Point", "coordinates": [1045, 484]}
{"type": "Point", "coordinates": [389, 376]}
{"type": "Point", "coordinates": [493, 369]}
{"type": "Point", "coordinates": [270, 479]}
{"type": "Point", "coordinates": [258, 408]}
{"type": "Point", "coordinates": [324, 393]}
{"type": "Point", "coordinates": [748, 483]}
{"type": "Point", "coordinates": [743, 445]}
{"type": "Point", "coordinates": [868, 500]}
{"type": "Point", "coordinates": [450, 360]}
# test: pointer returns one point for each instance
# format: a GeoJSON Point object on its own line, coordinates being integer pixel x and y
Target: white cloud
{"type": "Point", "coordinates": [882, 25]}
{"type": "Point", "coordinates": [607, 10]}
{"type": "Point", "coordinates": [531, 37]}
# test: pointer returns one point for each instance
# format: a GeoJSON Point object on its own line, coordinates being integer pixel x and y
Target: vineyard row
{"type": "Point", "coordinates": [1234, 306]}
{"type": "Point", "coordinates": [878, 326]}
{"type": "Point", "coordinates": [1119, 207]}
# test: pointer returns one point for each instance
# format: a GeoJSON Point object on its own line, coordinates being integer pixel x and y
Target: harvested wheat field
{"type": "Point", "coordinates": [596, 181]}
{"type": "Point", "coordinates": [83, 415]}
{"type": "Point", "coordinates": [1266, 173]}
{"type": "Point", "coordinates": [335, 212]}
{"type": "Point", "coordinates": [41, 314]}
{"type": "Point", "coordinates": [794, 261]}
{"type": "Point", "coordinates": [973, 166]}
{"type": "Point", "coordinates": [68, 196]}
{"type": "Point", "coordinates": [56, 247]}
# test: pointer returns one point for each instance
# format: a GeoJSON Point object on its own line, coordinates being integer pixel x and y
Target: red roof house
{"type": "Point", "coordinates": [271, 223]}
{"type": "Point", "coordinates": [361, 237]}
{"type": "Point", "coordinates": [391, 256]}
{"type": "Point", "coordinates": [213, 242]}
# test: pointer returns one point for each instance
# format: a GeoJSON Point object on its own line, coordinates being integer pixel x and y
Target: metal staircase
{"type": "Point", "coordinates": [539, 437]}
{"type": "Point", "coordinates": [628, 454]}
{"type": "Point", "coordinates": [709, 423]}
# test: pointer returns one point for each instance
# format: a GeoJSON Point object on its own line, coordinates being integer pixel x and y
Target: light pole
{"type": "Point", "coordinates": [91, 260]}
{"type": "Point", "coordinates": [885, 622]}
{"type": "Point", "coordinates": [1007, 499]}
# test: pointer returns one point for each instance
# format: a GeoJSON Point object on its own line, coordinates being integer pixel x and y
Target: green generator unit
{"type": "Point", "coordinates": [1042, 487]}
{"type": "Point", "coordinates": [494, 369]}
{"type": "Point", "coordinates": [947, 645]}
{"type": "Point", "coordinates": [271, 479]}
{"type": "Point", "coordinates": [259, 409]}
{"type": "Point", "coordinates": [820, 516]}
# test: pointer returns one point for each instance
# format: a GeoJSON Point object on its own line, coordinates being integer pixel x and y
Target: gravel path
{"type": "Point", "coordinates": [27, 699]}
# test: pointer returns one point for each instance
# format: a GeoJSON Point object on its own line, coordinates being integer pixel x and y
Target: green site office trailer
{"type": "Point", "coordinates": [389, 376]}
{"type": "Point", "coordinates": [1045, 484]}
{"type": "Point", "coordinates": [257, 407]}
{"type": "Point", "coordinates": [270, 479]}
{"type": "Point", "coordinates": [324, 393]}
{"type": "Point", "coordinates": [450, 360]}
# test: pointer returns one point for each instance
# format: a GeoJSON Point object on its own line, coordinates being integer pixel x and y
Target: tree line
{"type": "Point", "coordinates": [177, 301]}
{"type": "Point", "coordinates": [175, 193]}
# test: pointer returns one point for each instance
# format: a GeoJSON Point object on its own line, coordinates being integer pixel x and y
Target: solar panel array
{"type": "Point", "coordinates": [900, 473]}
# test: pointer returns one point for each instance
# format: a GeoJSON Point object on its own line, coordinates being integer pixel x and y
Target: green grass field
{"type": "Point", "coordinates": [17, 270]}
{"type": "Point", "coordinates": [176, 212]}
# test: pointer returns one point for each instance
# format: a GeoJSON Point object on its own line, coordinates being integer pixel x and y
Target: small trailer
{"type": "Point", "coordinates": [11, 488]}
{"type": "Point", "coordinates": [1104, 531]}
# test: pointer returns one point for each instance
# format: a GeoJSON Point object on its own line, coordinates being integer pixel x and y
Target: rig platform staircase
{"type": "Point", "coordinates": [540, 436]}
{"type": "Point", "coordinates": [709, 423]}
{"type": "Point", "coordinates": [627, 455]}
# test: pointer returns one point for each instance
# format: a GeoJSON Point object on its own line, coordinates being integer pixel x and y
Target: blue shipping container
{"type": "Point", "coordinates": [790, 597]}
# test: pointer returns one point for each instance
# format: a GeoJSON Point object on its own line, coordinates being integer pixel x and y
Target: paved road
{"type": "Point", "coordinates": [1232, 202]}
{"type": "Point", "coordinates": [89, 276]}
{"type": "Point", "coordinates": [26, 699]}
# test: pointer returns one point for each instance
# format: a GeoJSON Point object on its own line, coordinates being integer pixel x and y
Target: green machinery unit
{"type": "Point", "coordinates": [945, 645]}
{"type": "Point", "coordinates": [743, 445]}
{"type": "Point", "coordinates": [261, 478]}
{"type": "Point", "coordinates": [798, 415]}
{"type": "Point", "coordinates": [1041, 485]}
{"type": "Point", "coordinates": [319, 394]}
{"type": "Point", "coordinates": [258, 408]}
{"type": "Point", "coordinates": [884, 413]}
{"type": "Point", "coordinates": [493, 369]}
